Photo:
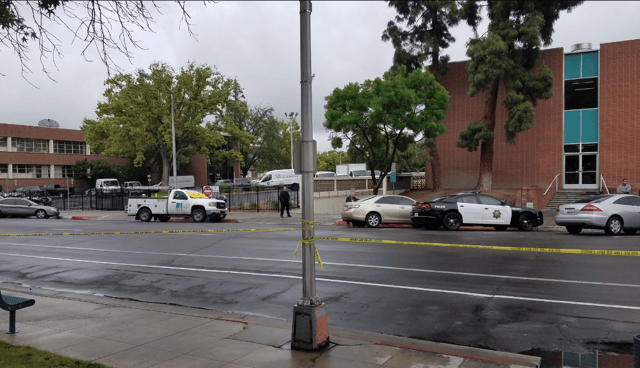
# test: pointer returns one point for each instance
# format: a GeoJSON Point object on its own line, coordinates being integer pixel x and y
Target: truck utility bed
{"type": "Point", "coordinates": [157, 205]}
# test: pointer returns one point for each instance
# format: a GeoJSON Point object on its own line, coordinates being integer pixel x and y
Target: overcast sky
{"type": "Point", "coordinates": [259, 44]}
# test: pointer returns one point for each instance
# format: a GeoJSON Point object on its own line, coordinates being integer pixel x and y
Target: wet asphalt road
{"type": "Point", "coordinates": [504, 300]}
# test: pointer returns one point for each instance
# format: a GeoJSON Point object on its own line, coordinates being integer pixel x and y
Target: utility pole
{"type": "Point", "coordinates": [291, 116]}
{"type": "Point", "coordinates": [310, 326]}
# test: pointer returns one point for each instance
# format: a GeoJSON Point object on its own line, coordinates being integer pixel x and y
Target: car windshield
{"type": "Point", "coordinates": [110, 183]}
{"type": "Point", "coordinates": [366, 199]}
{"type": "Point", "coordinates": [440, 199]}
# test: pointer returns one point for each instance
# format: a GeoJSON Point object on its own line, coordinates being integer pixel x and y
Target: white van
{"type": "Point", "coordinates": [274, 178]}
{"type": "Point", "coordinates": [184, 182]}
{"type": "Point", "coordinates": [106, 187]}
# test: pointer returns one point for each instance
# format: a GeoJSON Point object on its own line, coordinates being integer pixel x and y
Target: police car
{"type": "Point", "coordinates": [475, 209]}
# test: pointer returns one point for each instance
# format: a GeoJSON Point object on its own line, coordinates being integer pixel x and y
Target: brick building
{"type": "Point", "coordinates": [588, 131]}
{"type": "Point", "coordinates": [34, 155]}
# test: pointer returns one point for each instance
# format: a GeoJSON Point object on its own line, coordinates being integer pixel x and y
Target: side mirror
{"type": "Point", "coordinates": [504, 202]}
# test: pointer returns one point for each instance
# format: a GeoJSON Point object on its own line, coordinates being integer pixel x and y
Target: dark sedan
{"type": "Point", "coordinates": [474, 209]}
{"type": "Point", "coordinates": [20, 207]}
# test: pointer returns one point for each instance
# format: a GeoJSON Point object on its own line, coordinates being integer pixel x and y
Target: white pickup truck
{"type": "Point", "coordinates": [179, 203]}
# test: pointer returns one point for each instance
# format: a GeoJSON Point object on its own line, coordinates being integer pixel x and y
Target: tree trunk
{"type": "Point", "coordinates": [485, 179]}
{"type": "Point", "coordinates": [436, 170]}
{"type": "Point", "coordinates": [165, 169]}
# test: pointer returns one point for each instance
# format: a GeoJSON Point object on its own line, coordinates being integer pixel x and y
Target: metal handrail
{"type": "Point", "coordinates": [550, 184]}
{"type": "Point", "coordinates": [605, 184]}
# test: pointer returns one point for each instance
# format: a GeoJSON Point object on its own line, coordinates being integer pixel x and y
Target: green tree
{"type": "Point", "coordinates": [327, 161]}
{"type": "Point", "coordinates": [419, 33]}
{"type": "Point", "coordinates": [234, 123]}
{"type": "Point", "coordinates": [97, 27]}
{"type": "Point", "coordinates": [507, 55]}
{"type": "Point", "coordinates": [412, 159]}
{"type": "Point", "coordinates": [383, 116]}
{"type": "Point", "coordinates": [273, 149]}
{"type": "Point", "coordinates": [90, 171]}
{"type": "Point", "coordinates": [135, 119]}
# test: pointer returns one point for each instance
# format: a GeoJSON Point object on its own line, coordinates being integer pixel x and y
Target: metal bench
{"type": "Point", "coordinates": [12, 304]}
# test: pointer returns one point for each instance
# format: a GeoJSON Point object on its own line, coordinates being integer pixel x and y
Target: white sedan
{"type": "Point", "coordinates": [614, 213]}
{"type": "Point", "coordinates": [376, 210]}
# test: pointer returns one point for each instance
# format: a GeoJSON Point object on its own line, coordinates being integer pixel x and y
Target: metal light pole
{"type": "Point", "coordinates": [310, 323]}
{"type": "Point", "coordinates": [291, 116]}
{"type": "Point", "coordinates": [173, 128]}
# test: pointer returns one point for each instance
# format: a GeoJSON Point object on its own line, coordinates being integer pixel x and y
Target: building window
{"type": "Point", "coordinates": [28, 171]}
{"type": "Point", "coordinates": [3, 143]}
{"type": "Point", "coordinates": [77, 148]}
{"type": "Point", "coordinates": [30, 145]}
{"type": "Point", "coordinates": [4, 170]}
{"type": "Point", "coordinates": [65, 171]}
{"type": "Point", "coordinates": [581, 94]}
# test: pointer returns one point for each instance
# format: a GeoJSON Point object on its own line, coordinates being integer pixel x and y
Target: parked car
{"type": "Point", "coordinates": [475, 209]}
{"type": "Point", "coordinates": [132, 188]}
{"type": "Point", "coordinates": [56, 190]}
{"type": "Point", "coordinates": [615, 213]}
{"type": "Point", "coordinates": [376, 210]}
{"type": "Point", "coordinates": [21, 207]}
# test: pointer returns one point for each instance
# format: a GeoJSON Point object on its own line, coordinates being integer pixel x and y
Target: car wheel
{"type": "Point", "coordinates": [575, 230]}
{"type": "Point", "coordinates": [198, 215]}
{"type": "Point", "coordinates": [41, 214]}
{"type": "Point", "coordinates": [500, 227]}
{"type": "Point", "coordinates": [525, 222]}
{"type": "Point", "coordinates": [614, 226]}
{"type": "Point", "coordinates": [215, 219]}
{"type": "Point", "coordinates": [630, 231]}
{"type": "Point", "coordinates": [145, 215]}
{"type": "Point", "coordinates": [164, 218]}
{"type": "Point", "coordinates": [452, 221]}
{"type": "Point", "coordinates": [373, 220]}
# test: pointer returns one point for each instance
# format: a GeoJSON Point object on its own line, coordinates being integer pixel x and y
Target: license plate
{"type": "Point", "coordinates": [568, 210]}
{"type": "Point", "coordinates": [415, 215]}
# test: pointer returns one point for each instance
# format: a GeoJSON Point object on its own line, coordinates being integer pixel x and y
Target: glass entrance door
{"type": "Point", "coordinates": [581, 170]}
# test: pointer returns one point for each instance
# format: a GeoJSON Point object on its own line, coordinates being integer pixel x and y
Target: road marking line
{"type": "Point", "coordinates": [454, 273]}
{"type": "Point", "coordinates": [414, 288]}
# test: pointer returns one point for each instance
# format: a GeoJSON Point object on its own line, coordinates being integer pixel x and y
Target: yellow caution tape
{"type": "Point", "coordinates": [151, 232]}
{"type": "Point", "coordinates": [308, 240]}
{"type": "Point", "coordinates": [599, 252]}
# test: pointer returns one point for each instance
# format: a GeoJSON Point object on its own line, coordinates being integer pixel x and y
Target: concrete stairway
{"type": "Point", "coordinates": [565, 196]}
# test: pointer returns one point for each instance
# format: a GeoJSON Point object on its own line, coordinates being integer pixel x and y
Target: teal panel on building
{"type": "Point", "coordinates": [590, 65]}
{"type": "Point", "coordinates": [590, 126]}
{"type": "Point", "coordinates": [572, 126]}
{"type": "Point", "coordinates": [572, 66]}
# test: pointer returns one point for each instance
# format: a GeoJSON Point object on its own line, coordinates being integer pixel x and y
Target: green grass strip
{"type": "Point", "coordinates": [17, 356]}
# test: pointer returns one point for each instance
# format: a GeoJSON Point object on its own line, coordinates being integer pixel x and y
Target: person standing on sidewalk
{"type": "Point", "coordinates": [284, 202]}
{"type": "Point", "coordinates": [352, 198]}
{"type": "Point", "coordinates": [624, 188]}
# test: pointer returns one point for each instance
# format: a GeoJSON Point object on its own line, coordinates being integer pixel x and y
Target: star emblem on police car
{"type": "Point", "coordinates": [496, 214]}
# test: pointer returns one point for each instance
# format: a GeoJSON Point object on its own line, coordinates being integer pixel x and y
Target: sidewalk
{"type": "Point", "coordinates": [123, 333]}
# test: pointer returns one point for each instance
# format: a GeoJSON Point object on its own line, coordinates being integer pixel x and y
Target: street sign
{"type": "Point", "coordinates": [392, 176]}
{"type": "Point", "coordinates": [206, 190]}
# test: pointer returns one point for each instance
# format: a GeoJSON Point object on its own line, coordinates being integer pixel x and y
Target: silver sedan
{"type": "Point", "coordinates": [614, 213]}
{"type": "Point", "coordinates": [21, 207]}
{"type": "Point", "coordinates": [376, 210]}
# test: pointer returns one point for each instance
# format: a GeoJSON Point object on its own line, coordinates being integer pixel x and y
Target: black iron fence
{"type": "Point", "coordinates": [256, 199]}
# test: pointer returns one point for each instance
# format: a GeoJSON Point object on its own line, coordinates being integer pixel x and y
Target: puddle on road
{"type": "Point", "coordinates": [594, 359]}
